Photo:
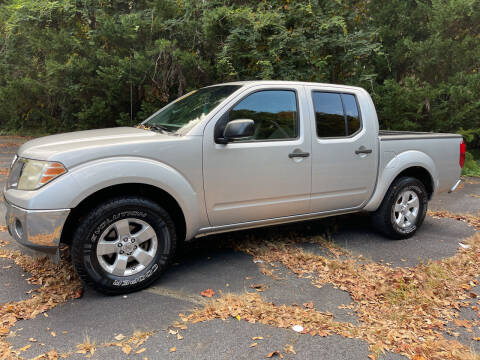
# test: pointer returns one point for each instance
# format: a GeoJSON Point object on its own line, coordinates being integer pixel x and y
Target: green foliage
{"type": "Point", "coordinates": [428, 79]}
{"type": "Point", "coordinates": [78, 64]}
{"type": "Point", "coordinates": [471, 167]}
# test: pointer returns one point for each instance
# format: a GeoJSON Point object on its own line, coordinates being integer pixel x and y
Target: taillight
{"type": "Point", "coordinates": [462, 154]}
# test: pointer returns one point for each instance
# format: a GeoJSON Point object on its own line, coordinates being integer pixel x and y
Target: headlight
{"type": "Point", "coordinates": [27, 174]}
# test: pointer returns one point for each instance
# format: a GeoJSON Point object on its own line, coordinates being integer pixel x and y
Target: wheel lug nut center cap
{"type": "Point", "coordinates": [128, 247]}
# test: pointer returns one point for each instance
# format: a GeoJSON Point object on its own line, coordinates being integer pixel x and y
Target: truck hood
{"type": "Point", "coordinates": [81, 146]}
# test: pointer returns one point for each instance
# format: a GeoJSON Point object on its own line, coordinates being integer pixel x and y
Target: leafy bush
{"type": "Point", "coordinates": [69, 64]}
{"type": "Point", "coordinates": [471, 167]}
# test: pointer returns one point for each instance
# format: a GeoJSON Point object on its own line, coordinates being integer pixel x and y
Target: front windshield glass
{"type": "Point", "coordinates": [187, 111]}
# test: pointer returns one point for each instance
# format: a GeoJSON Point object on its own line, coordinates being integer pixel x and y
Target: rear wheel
{"type": "Point", "coordinates": [123, 245]}
{"type": "Point", "coordinates": [403, 209]}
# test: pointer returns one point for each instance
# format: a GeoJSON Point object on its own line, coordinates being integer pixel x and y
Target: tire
{"type": "Point", "coordinates": [123, 245]}
{"type": "Point", "coordinates": [396, 217]}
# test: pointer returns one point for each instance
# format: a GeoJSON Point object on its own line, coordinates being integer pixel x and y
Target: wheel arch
{"type": "Point", "coordinates": [160, 196]}
{"type": "Point", "coordinates": [421, 174]}
{"type": "Point", "coordinates": [410, 163]}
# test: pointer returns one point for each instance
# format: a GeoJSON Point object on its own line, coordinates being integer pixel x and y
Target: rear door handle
{"type": "Point", "coordinates": [363, 151]}
{"type": "Point", "coordinates": [300, 154]}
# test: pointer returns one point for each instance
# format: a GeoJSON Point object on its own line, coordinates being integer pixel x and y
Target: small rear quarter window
{"type": "Point", "coordinates": [351, 112]}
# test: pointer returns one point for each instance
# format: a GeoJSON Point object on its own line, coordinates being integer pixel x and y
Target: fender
{"type": "Point", "coordinates": [401, 162]}
{"type": "Point", "coordinates": [81, 181]}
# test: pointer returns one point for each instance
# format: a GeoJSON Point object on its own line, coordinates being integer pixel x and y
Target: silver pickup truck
{"type": "Point", "coordinates": [225, 157]}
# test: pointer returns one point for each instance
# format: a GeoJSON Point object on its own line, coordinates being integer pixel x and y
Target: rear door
{"type": "Point", "coordinates": [344, 149]}
{"type": "Point", "coordinates": [268, 175]}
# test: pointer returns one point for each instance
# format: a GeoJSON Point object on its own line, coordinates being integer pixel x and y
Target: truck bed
{"type": "Point", "coordinates": [386, 135]}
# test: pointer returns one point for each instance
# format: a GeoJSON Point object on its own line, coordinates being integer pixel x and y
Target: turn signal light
{"type": "Point", "coordinates": [52, 170]}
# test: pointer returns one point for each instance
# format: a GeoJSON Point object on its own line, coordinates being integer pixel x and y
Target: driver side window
{"type": "Point", "coordinates": [273, 111]}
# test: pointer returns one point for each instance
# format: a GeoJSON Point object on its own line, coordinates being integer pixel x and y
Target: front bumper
{"type": "Point", "coordinates": [36, 229]}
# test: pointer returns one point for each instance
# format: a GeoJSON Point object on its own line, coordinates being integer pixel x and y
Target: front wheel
{"type": "Point", "coordinates": [123, 245]}
{"type": "Point", "coordinates": [403, 209]}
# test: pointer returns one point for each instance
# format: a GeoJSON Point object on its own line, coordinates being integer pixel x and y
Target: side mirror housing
{"type": "Point", "coordinates": [237, 129]}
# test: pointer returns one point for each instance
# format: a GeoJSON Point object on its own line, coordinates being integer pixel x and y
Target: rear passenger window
{"type": "Point", "coordinates": [336, 115]}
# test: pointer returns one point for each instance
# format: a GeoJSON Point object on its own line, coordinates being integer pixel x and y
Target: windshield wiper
{"type": "Point", "coordinates": [160, 128]}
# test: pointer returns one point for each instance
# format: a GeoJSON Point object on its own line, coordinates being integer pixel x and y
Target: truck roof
{"type": "Point", "coordinates": [286, 82]}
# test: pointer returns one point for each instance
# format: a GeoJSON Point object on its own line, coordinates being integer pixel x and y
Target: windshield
{"type": "Point", "coordinates": [187, 111]}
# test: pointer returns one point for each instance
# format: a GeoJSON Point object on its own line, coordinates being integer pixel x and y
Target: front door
{"type": "Point", "coordinates": [344, 149]}
{"type": "Point", "coordinates": [267, 175]}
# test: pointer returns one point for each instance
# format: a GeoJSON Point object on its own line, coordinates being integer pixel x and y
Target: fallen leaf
{"type": "Point", "coordinates": [257, 338]}
{"type": "Point", "coordinates": [289, 349]}
{"type": "Point", "coordinates": [53, 333]}
{"type": "Point", "coordinates": [179, 337]}
{"type": "Point", "coordinates": [275, 353]}
{"type": "Point", "coordinates": [253, 344]}
{"type": "Point", "coordinates": [127, 349]}
{"type": "Point", "coordinates": [258, 287]}
{"type": "Point", "coordinates": [173, 349]}
{"type": "Point", "coordinates": [25, 348]}
{"type": "Point", "coordinates": [309, 305]}
{"type": "Point", "coordinates": [172, 332]}
{"type": "Point", "coordinates": [207, 293]}
{"type": "Point", "coordinates": [120, 337]}
{"type": "Point", "coordinates": [141, 351]}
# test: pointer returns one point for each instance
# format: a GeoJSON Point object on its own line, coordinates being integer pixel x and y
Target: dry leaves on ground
{"type": "Point", "coordinates": [472, 180]}
{"type": "Point", "coordinates": [275, 353]}
{"type": "Point", "coordinates": [470, 219]}
{"type": "Point", "coordinates": [133, 343]}
{"type": "Point", "coordinates": [289, 349]}
{"type": "Point", "coordinates": [58, 283]}
{"type": "Point", "coordinates": [11, 144]}
{"type": "Point", "coordinates": [403, 310]}
{"type": "Point", "coordinates": [207, 293]}
{"type": "Point", "coordinates": [87, 348]}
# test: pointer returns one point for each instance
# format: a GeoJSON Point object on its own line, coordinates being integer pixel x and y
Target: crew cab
{"type": "Point", "coordinates": [221, 158]}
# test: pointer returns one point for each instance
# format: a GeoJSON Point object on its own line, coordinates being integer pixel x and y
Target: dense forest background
{"type": "Point", "coordinates": [78, 64]}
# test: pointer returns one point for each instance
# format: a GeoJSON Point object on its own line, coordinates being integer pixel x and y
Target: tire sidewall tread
{"type": "Point", "coordinates": [89, 230]}
{"type": "Point", "coordinates": [382, 218]}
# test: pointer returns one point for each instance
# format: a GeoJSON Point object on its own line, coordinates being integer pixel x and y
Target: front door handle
{"type": "Point", "coordinates": [298, 153]}
{"type": "Point", "coordinates": [363, 151]}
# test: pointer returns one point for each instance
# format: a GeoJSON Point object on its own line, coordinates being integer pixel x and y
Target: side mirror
{"type": "Point", "coordinates": [237, 129]}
